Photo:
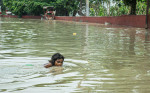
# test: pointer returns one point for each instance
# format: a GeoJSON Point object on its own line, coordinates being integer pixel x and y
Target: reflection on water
{"type": "Point", "coordinates": [99, 59]}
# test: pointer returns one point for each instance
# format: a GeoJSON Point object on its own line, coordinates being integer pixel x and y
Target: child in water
{"type": "Point", "coordinates": [56, 60]}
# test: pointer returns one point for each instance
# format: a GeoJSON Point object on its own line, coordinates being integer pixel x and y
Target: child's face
{"type": "Point", "coordinates": [59, 62]}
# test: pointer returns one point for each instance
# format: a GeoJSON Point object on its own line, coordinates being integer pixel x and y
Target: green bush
{"type": "Point", "coordinates": [92, 12]}
{"type": "Point", "coordinates": [102, 11]}
{"type": "Point", "coordinates": [25, 7]}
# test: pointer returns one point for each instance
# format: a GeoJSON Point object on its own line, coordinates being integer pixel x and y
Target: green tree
{"type": "Point", "coordinates": [102, 11]}
{"type": "Point", "coordinates": [141, 8]}
{"type": "Point", "coordinates": [66, 7]}
{"type": "Point", "coordinates": [26, 7]}
{"type": "Point", "coordinates": [119, 9]}
{"type": "Point", "coordinates": [132, 4]}
{"type": "Point", "coordinates": [34, 7]}
{"type": "Point", "coordinates": [92, 12]}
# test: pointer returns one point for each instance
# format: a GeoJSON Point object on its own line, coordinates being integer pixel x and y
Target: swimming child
{"type": "Point", "coordinates": [56, 60]}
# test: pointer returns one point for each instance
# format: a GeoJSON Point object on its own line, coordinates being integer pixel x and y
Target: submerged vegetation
{"type": "Point", "coordinates": [77, 7]}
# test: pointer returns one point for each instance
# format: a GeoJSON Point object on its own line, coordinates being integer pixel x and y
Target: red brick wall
{"type": "Point", "coordinates": [26, 17]}
{"type": "Point", "coordinates": [12, 16]}
{"type": "Point", "coordinates": [31, 17]}
{"type": "Point", "coordinates": [127, 20]}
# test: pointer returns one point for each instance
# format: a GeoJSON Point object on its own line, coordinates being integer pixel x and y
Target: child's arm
{"type": "Point", "coordinates": [47, 65]}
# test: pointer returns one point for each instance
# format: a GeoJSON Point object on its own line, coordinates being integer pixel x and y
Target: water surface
{"type": "Point", "coordinates": [98, 59]}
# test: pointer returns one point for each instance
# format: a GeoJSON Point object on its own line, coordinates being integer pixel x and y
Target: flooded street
{"type": "Point", "coordinates": [98, 59]}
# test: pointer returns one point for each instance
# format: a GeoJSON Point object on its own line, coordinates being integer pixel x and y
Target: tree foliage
{"type": "Point", "coordinates": [73, 7]}
{"type": "Point", "coordinates": [26, 7]}
{"type": "Point", "coordinates": [120, 7]}
{"type": "Point", "coordinates": [65, 7]}
{"type": "Point", "coordinates": [132, 4]}
{"type": "Point", "coordinates": [35, 7]}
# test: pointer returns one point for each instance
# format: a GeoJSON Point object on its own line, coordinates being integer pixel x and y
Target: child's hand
{"type": "Point", "coordinates": [47, 65]}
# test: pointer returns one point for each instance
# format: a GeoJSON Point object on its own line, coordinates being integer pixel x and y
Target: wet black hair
{"type": "Point", "coordinates": [55, 57]}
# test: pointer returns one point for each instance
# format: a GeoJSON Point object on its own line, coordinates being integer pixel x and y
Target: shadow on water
{"type": "Point", "coordinates": [97, 59]}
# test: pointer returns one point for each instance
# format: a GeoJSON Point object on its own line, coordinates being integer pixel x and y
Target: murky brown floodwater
{"type": "Point", "coordinates": [98, 59]}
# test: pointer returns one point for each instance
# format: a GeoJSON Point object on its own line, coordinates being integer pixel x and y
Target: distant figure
{"type": "Point", "coordinates": [56, 60]}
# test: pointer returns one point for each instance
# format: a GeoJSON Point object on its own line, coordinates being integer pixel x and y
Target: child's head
{"type": "Point", "coordinates": [57, 59]}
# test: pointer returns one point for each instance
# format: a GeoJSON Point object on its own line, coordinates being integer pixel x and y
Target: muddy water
{"type": "Point", "coordinates": [98, 59]}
